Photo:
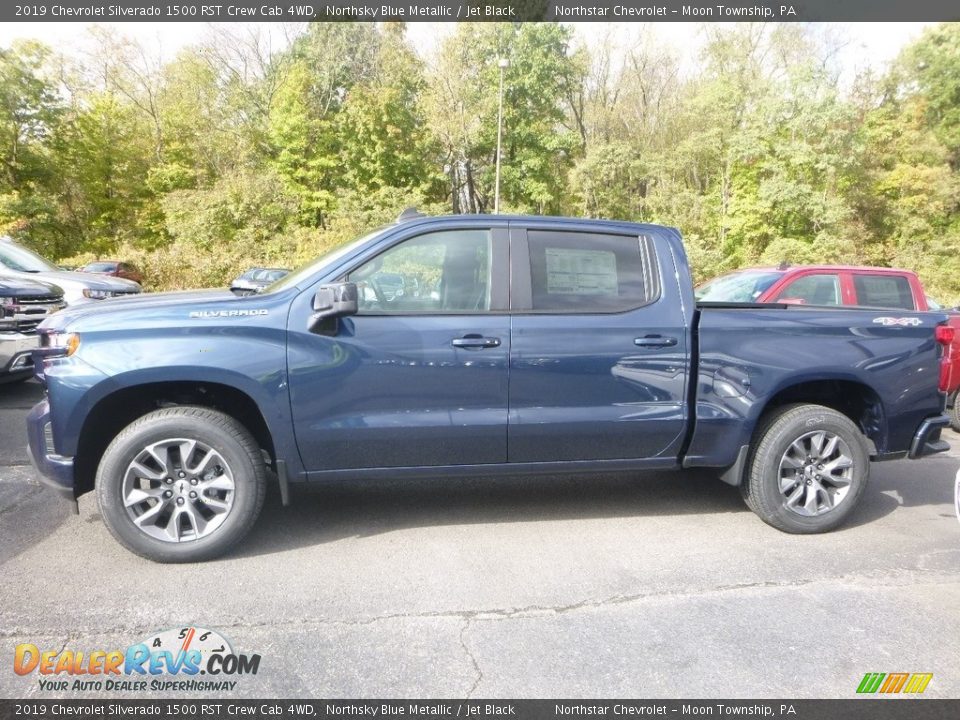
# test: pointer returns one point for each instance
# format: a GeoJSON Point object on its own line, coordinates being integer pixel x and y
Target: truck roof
{"type": "Point", "coordinates": [827, 268]}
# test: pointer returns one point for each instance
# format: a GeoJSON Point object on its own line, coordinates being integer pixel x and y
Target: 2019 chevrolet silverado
{"type": "Point", "coordinates": [533, 345]}
{"type": "Point", "coordinates": [24, 304]}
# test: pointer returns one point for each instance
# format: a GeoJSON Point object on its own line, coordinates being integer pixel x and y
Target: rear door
{"type": "Point", "coordinates": [599, 349]}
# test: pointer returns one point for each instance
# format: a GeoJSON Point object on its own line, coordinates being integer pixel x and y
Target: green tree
{"type": "Point", "coordinates": [30, 113]}
{"type": "Point", "coordinates": [105, 155]}
{"type": "Point", "coordinates": [382, 131]}
{"type": "Point", "coordinates": [462, 107]}
{"type": "Point", "coordinates": [324, 65]}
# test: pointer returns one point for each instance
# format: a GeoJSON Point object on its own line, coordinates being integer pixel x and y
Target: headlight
{"type": "Point", "coordinates": [58, 344]}
{"type": "Point", "coordinates": [93, 294]}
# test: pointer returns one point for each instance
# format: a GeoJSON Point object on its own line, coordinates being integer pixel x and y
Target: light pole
{"type": "Point", "coordinates": [504, 63]}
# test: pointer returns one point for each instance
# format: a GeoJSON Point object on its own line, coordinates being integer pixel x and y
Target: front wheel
{"type": "Point", "coordinates": [181, 484]}
{"type": "Point", "coordinates": [808, 469]}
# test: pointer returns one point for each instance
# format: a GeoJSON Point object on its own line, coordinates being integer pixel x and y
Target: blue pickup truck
{"type": "Point", "coordinates": [473, 346]}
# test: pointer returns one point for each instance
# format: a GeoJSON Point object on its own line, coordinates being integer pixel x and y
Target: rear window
{"type": "Point", "coordinates": [590, 272]}
{"type": "Point", "coordinates": [884, 291]}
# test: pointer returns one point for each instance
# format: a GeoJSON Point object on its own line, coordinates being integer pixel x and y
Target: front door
{"type": "Point", "coordinates": [419, 376]}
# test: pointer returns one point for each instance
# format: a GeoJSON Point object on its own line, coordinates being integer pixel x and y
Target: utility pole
{"type": "Point", "coordinates": [504, 63]}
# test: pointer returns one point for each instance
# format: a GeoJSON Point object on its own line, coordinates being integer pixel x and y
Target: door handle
{"type": "Point", "coordinates": [475, 342]}
{"type": "Point", "coordinates": [655, 341]}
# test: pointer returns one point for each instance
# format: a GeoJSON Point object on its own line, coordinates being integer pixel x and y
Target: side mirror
{"type": "Point", "coordinates": [333, 301]}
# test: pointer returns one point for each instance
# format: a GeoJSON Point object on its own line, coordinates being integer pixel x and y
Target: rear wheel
{"type": "Point", "coordinates": [181, 484]}
{"type": "Point", "coordinates": [808, 469]}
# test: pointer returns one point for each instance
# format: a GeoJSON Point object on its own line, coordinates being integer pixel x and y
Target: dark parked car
{"type": "Point", "coordinates": [114, 268]}
{"type": "Point", "coordinates": [550, 345]}
{"type": "Point", "coordinates": [256, 279]}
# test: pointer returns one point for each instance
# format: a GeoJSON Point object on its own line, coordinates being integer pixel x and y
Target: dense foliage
{"type": "Point", "coordinates": [235, 153]}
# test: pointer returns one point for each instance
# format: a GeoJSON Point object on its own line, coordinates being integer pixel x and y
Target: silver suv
{"type": "Point", "coordinates": [24, 303]}
{"type": "Point", "coordinates": [18, 261]}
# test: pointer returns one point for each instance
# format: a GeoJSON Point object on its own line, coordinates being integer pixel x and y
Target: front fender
{"type": "Point", "coordinates": [250, 360]}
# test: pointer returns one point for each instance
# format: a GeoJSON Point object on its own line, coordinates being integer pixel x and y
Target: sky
{"type": "Point", "coordinates": [867, 45]}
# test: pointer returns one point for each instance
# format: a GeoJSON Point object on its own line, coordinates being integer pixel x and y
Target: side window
{"type": "Point", "coordinates": [884, 291]}
{"type": "Point", "coordinates": [447, 271]}
{"type": "Point", "coordinates": [813, 290]}
{"type": "Point", "coordinates": [590, 272]}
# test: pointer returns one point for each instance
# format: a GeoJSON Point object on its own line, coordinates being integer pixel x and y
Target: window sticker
{"type": "Point", "coordinates": [581, 272]}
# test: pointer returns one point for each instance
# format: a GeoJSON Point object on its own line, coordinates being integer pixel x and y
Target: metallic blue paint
{"type": "Point", "coordinates": [391, 396]}
{"type": "Point", "coordinates": [749, 356]}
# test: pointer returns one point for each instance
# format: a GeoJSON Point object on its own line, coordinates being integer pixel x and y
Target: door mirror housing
{"type": "Point", "coordinates": [333, 301]}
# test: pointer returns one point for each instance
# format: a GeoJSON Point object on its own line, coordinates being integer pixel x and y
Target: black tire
{"type": "Point", "coordinates": [955, 413]}
{"type": "Point", "coordinates": [217, 430]}
{"type": "Point", "coordinates": [775, 435]}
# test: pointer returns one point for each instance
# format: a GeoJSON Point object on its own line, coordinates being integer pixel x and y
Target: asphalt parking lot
{"type": "Point", "coordinates": [656, 586]}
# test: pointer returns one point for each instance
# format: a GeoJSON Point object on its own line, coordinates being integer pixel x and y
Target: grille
{"type": "Point", "coordinates": [28, 325]}
{"type": "Point", "coordinates": [29, 311]}
{"type": "Point", "coordinates": [38, 300]}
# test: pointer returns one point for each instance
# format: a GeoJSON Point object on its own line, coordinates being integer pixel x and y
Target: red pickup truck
{"type": "Point", "coordinates": [839, 285]}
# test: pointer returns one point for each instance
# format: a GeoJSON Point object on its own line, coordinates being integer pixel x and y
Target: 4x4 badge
{"type": "Point", "coordinates": [904, 321]}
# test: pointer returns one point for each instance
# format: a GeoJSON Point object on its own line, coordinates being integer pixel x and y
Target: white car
{"type": "Point", "coordinates": [18, 261]}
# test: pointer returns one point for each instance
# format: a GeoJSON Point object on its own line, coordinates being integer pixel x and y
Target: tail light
{"type": "Point", "coordinates": [945, 335]}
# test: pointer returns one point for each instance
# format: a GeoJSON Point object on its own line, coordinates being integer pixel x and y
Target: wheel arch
{"type": "Point", "coordinates": [114, 411]}
{"type": "Point", "coordinates": [850, 397]}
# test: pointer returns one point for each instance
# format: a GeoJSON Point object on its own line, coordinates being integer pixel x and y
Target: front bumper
{"type": "Point", "coordinates": [56, 471]}
{"type": "Point", "coordinates": [926, 441]}
{"type": "Point", "coordinates": [15, 351]}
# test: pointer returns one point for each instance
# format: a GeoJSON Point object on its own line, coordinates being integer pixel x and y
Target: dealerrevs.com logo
{"type": "Point", "coordinates": [191, 659]}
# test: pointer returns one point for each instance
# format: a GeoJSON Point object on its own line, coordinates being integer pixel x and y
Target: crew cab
{"type": "Point", "coordinates": [533, 345]}
{"type": "Point", "coordinates": [838, 285]}
{"type": "Point", "coordinates": [24, 304]}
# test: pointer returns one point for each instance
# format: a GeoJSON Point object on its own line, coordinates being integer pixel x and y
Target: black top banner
{"type": "Point", "coordinates": [492, 11]}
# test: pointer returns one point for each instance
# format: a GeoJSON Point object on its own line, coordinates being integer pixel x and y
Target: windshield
{"type": "Point", "coordinates": [266, 274]}
{"type": "Point", "coordinates": [331, 256]}
{"type": "Point", "coordinates": [745, 286]}
{"type": "Point", "coordinates": [101, 267]}
{"type": "Point", "coordinates": [16, 257]}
